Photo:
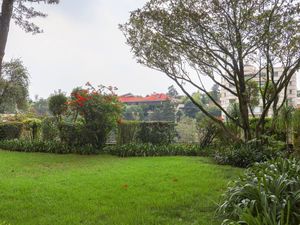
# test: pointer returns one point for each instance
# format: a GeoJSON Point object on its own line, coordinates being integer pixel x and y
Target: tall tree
{"type": "Point", "coordinates": [21, 12]}
{"type": "Point", "coordinates": [13, 86]}
{"type": "Point", "coordinates": [189, 39]}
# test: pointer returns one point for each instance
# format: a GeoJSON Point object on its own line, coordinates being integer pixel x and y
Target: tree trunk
{"type": "Point", "coordinates": [6, 14]}
{"type": "Point", "coordinates": [244, 109]}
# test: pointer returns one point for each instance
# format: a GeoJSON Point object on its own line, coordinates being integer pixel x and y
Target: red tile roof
{"type": "Point", "coordinates": [150, 98]}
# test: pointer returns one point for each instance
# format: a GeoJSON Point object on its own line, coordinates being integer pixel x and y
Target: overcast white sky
{"type": "Point", "coordinates": [81, 42]}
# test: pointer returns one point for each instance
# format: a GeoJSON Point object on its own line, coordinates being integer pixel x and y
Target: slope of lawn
{"type": "Point", "coordinates": [39, 189]}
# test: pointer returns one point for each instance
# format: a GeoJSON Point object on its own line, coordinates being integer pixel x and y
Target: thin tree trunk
{"type": "Point", "coordinates": [6, 14]}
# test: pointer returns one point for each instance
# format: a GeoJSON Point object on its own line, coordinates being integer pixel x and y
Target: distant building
{"type": "Point", "coordinates": [227, 98]}
{"type": "Point", "coordinates": [153, 99]}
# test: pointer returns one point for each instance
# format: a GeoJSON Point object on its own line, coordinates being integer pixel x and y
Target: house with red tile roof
{"type": "Point", "coordinates": [153, 99]}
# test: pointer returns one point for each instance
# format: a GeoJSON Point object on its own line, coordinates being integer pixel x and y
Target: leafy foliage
{"type": "Point", "coordinates": [213, 39]}
{"type": "Point", "coordinates": [145, 132]}
{"type": "Point", "coordinates": [58, 105]}
{"type": "Point", "coordinates": [49, 129]}
{"type": "Point", "coordinates": [147, 112]}
{"type": "Point", "coordinates": [247, 154]}
{"type": "Point", "coordinates": [148, 149]}
{"type": "Point", "coordinates": [14, 82]}
{"type": "Point", "coordinates": [45, 147]}
{"type": "Point", "coordinates": [156, 132]}
{"type": "Point", "coordinates": [207, 130]}
{"type": "Point", "coordinates": [127, 132]}
{"type": "Point", "coordinates": [11, 130]}
{"type": "Point", "coordinates": [99, 109]}
{"type": "Point", "coordinates": [267, 194]}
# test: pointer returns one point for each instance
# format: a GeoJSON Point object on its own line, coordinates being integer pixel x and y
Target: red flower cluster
{"type": "Point", "coordinates": [80, 98]}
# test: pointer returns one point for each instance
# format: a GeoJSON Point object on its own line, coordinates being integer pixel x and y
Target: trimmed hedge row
{"type": "Point", "coordinates": [158, 133]}
{"type": "Point", "coordinates": [45, 147]}
{"type": "Point", "coordinates": [11, 130]}
{"type": "Point", "coordinates": [148, 149]}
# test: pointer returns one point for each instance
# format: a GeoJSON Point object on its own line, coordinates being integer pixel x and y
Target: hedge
{"type": "Point", "coordinates": [158, 133]}
{"type": "Point", "coordinates": [45, 147]}
{"type": "Point", "coordinates": [11, 130]}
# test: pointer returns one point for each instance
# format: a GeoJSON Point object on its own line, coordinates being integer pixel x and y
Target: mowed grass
{"type": "Point", "coordinates": [40, 189]}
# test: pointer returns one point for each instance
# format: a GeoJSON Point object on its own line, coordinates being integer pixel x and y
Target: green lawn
{"type": "Point", "coordinates": [39, 189]}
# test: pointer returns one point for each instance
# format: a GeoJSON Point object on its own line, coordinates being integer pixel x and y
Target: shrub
{"type": "Point", "coordinates": [45, 147]}
{"type": "Point", "coordinates": [72, 134]}
{"type": "Point", "coordinates": [148, 149]}
{"type": "Point", "coordinates": [100, 112]}
{"type": "Point", "coordinates": [278, 134]}
{"type": "Point", "coordinates": [127, 132]}
{"type": "Point", "coordinates": [49, 129]}
{"type": "Point", "coordinates": [267, 194]}
{"type": "Point", "coordinates": [58, 105]}
{"type": "Point", "coordinates": [34, 146]}
{"type": "Point", "coordinates": [160, 133]}
{"type": "Point", "coordinates": [246, 154]}
{"type": "Point", "coordinates": [32, 125]}
{"type": "Point", "coordinates": [10, 130]}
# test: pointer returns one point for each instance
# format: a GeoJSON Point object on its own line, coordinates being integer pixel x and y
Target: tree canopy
{"type": "Point", "coordinates": [190, 39]}
{"type": "Point", "coordinates": [14, 82]}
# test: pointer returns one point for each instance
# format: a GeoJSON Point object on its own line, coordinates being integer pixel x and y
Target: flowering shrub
{"type": "Point", "coordinates": [99, 109]}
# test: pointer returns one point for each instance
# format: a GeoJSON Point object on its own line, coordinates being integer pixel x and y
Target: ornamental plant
{"type": "Point", "coordinates": [267, 194]}
{"type": "Point", "coordinates": [99, 109]}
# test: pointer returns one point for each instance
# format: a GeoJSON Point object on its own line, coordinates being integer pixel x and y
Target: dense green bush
{"type": "Point", "coordinates": [69, 133]}
{"type": "Point", "coordinates": [160, 133]}
{"type": "Point", "coordinates": [46, 147]}
{"type": "Point", "coordinates": [77, 135]}
{"type": "Point", "coordinates": [34, 146]}
{"type": "Point", "coordinates": [49, 129]}
{"type": "Point", "coordinates": [10, 130]}
{"type": "Point", "coordinates": [127, 132]}
{"type": "Point", "coordinates": [58, 105]}
{"type": "Point", "coordinates": [246, 154]}
{"type": "Point", "coordinates": [268, 194]}
{"type": "Point", "coordinates": [278, 134]}
{"type": "Point", "coordinates": [148, 149]}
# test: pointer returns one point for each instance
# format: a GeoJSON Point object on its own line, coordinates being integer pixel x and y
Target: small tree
{"type": "Point", "coordinates": [58, 105]}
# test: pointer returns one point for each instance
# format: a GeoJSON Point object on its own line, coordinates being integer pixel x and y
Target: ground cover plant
{"type": "Point", "coordinates": [268, 194]}
{"type": "Point", "coordinates": [148, 149]}
{"type": "Point", "coordinates": [47, 189]}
